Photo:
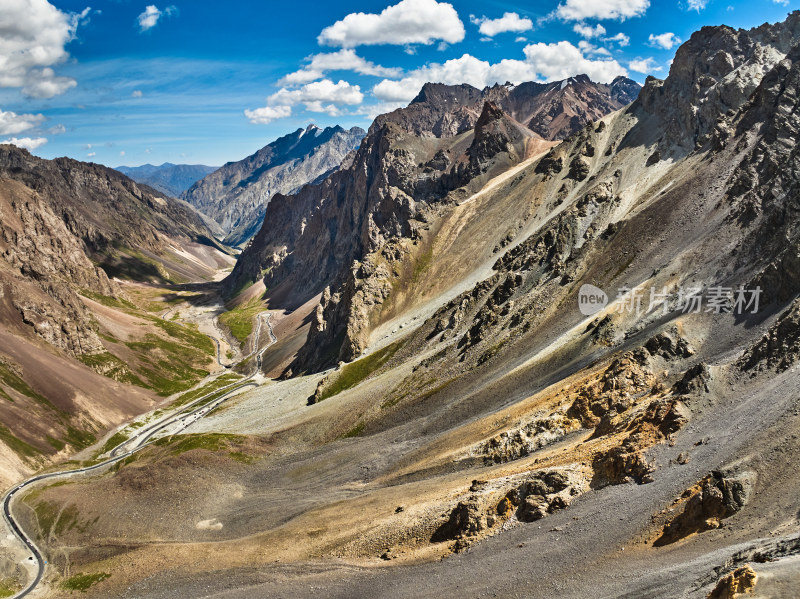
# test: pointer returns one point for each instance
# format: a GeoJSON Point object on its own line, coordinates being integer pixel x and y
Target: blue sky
{"type": "Point", "coordinates": [129, 82]}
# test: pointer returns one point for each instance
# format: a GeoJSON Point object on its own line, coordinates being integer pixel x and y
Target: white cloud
{"type": "Point", "coordinates": [591, 49]}
{"type": "Point", "coordinates": [319, 96]}
{"type": "Point", "coordinates": [137, 93]}
{"type": "Point", "coordinates": [587, 31]}
{"type": "Point", "coordinates": [622, 39]}
{"type": "Point", "coordinates": [521, 38]}
{"type": "Point", "coordinates": [57, 129]}
{"type": "Point", "coordinates": [32, 39]}
{"type": "Point", "coordinates": [644, 65]}
{"type": "Point", "coordinates": [151, 15]}
{"type": "Point", "coordinates": [318, 91]}
{"type": "Point", "coordinates": [510, 21]}
{"type": "Point", "coordinates": [122, 152]}
{"type": "Point", "coordinates": [664, 40]}
{"type": "Point", "coordinates": [91, 154]}
{"type": "Point", "coordinates": [781, 2]}
{"type": "Point", "coordinates": [408, 22]}
{"type": "Point", "coordinates": [561, 60]}
{"type": "Point", "coordinates": [543, 61]}
{"type": "Point", "coordinates": [343, 60]}
{"type": "Point", "coordinates": [44, 83]}
{"type": "Point", "coordinates": [697, 5]}
{"type": "Point", "coordinates": [578, 10]}
{"type": "Point", "coordinates": [267, 114]}
{"type": "Point", "coordinates": [12, 123]}
{"type": "Point", "coordinates": [26, 142]}
{"type": "Point", "coordinates": [466, 69]}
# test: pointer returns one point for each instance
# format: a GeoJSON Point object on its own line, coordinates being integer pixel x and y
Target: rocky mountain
{"type": "Point", "coordinates": [236, 196]}
{"type": "Point", "coordinates": [67, 229]}
{"type": "Point", "coordinates": [449, 139]}
{"type": "Point", "coordinates": [510, 365]}
{"type": "Point", "coordinates": [168, 178]}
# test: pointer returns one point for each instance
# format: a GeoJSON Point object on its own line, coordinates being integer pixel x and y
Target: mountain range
{"type": "Point", "coordinates": [535, 340]}
{"type": "Point", "coordinates": [168, 178]}
{"type": "Point", "coordinates": [236, 195]}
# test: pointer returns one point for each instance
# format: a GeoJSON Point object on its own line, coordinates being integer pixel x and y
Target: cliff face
{"type": "Point", "coordinates": [60, 220]}
{"type": "Point", "coordinates": [236, 195]}
{"type": "Point", "coordinates": [716, 71]}
{"type": "Point", "coordinates": [449, 138]}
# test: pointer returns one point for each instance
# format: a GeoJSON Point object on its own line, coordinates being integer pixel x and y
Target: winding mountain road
{"type": "Point", "coordinates": [186, 415]}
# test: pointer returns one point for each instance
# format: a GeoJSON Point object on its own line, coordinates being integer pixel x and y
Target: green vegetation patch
{"type": "Point", "coordinates": [79, 439]}
{"type": "Point", "coordinates": [355, 431]}
{"type": "Point", "coordinates": [239, 320]}
{"type": "Point", "coordinates": [355, 372]}
{"type": "Point", "coordinates": [18, 445]}
{"type": "Point", "coordinates": [111, 366]}
{"type": "Point", "coordinates": [115, 439]}
{"type": "Point", "coordinates": [11, 379]}
{"type": "Point", "coordinates": [215, 385]}
{"type": "Point", "coordinates": [8, 587]}
{"type": "Point", "coordinates": [82, 582]}
{"type": "Point", "coordinates": [109, 301]}
{"type": "Point", "coordinates": [168, 366]}
{"type": "Point", "coordinates": [214, 442]}
{"type": "Point", "coordinates": [188, 334]}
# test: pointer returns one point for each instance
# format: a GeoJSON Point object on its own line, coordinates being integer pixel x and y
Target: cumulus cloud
{"type": "Point", "coordinates": [44, 83]}
{"type": "Point", "coordinates": [664, 40]}
{"type": "Point", "coordinates": [591, 49]}
{"type": "Point", "coordinates": [579, 10]}
{"type": "Point", "coordinates": [561, 60]}
{"type": "Point", "coordinates": [91, 154]}
{"type": "Point", "coordinates": [697, 5]}
{"type": "Point", "coordinates": [622, 39]}
{"type": "Point", "coordinates": [510, 21]}
{"type": "Point", "coordinates": [587, 31]}
{"type": "Point", "coordinates": [466, 69]}
{"type": "Point", "coordinates": [343, 60]}
{"type": "Point", "coordinates": [33, 37]}
{"type": "Point", "coordinates": [318, 96]}
{"type": "Point", "coordinates": [408, 22]}
{"type": "Point", "coordinates": [12, 123]}
{"type": "Point", "coordinates": [267, 114]}
{"type": "Point", "coordinates": [151, 15]}
{"type": "Point", "coordinates": [26, 142]}
{"type": "Point", "coordinates": [57, 129]}
{"type": "Point", "coordinates": [643, 65]}
{"type": "Point", "coordinates": [137, 93]}
{"type": "Point", "coordinates": [547, 62]}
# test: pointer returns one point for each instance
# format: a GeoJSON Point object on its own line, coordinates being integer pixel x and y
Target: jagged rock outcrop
{"type": "Point", "coordinates": [716, 71]}
{"type": "Point", "coordinates": [718, 496]}
{"type": "Point", "coordinates": [237, 194]}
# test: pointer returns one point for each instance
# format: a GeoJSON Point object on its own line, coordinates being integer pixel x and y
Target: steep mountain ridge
{"type": "Point", "coordinates": [411, 159]}
{"type": "Point", "coordinates": [237, 194]}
